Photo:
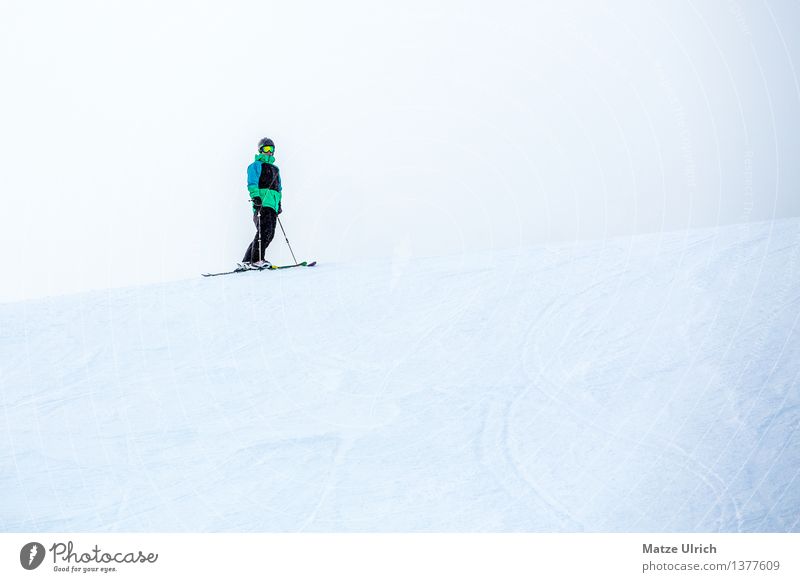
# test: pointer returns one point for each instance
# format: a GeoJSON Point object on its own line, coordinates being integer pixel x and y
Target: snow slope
{"type": "Point", "coordinates": [643, 383]}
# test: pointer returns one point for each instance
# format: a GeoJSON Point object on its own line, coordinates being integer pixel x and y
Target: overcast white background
{"type": "Point", "coordinates": [402, 129]}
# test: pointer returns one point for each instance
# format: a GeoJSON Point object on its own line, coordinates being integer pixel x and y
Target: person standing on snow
{"type": "Point", "coordinates": [264, 185]}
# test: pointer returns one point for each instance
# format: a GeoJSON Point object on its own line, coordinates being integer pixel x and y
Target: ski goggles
{"type": "Point", "coordinates": [268, 149]}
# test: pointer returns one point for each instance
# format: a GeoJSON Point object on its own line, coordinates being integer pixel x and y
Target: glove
{"type": "Point", "coordinates": [257, 201]}
{"type": "Point", "coordinates": [279, 208]}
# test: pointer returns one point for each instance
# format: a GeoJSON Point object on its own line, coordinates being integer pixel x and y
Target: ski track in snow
{"type": "Point", "coordinates": [646, 383]}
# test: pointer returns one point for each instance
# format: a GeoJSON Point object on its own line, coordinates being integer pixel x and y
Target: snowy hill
{"type": "Point", "coordinates": [644, 383]}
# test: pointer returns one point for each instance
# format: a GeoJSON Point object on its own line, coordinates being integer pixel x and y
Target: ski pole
{"type": "Point", "coordinates": [287, 240]}
{"type": "Point", "coordinates": [260, 252]}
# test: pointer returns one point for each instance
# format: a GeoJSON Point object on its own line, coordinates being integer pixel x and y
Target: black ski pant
{"type": "Point", "coordinates": [265, 220]}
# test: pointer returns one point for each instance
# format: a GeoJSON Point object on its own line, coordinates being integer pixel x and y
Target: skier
{"type": "Point", "coordinates": [264, 185]}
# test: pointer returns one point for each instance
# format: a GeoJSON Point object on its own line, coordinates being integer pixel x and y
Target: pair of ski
{"type": "Point", "coordinates": [269, 268]}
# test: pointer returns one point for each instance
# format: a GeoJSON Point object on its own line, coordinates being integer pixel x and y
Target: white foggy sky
{"type": "Point", "coordinates": [402, 128]}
